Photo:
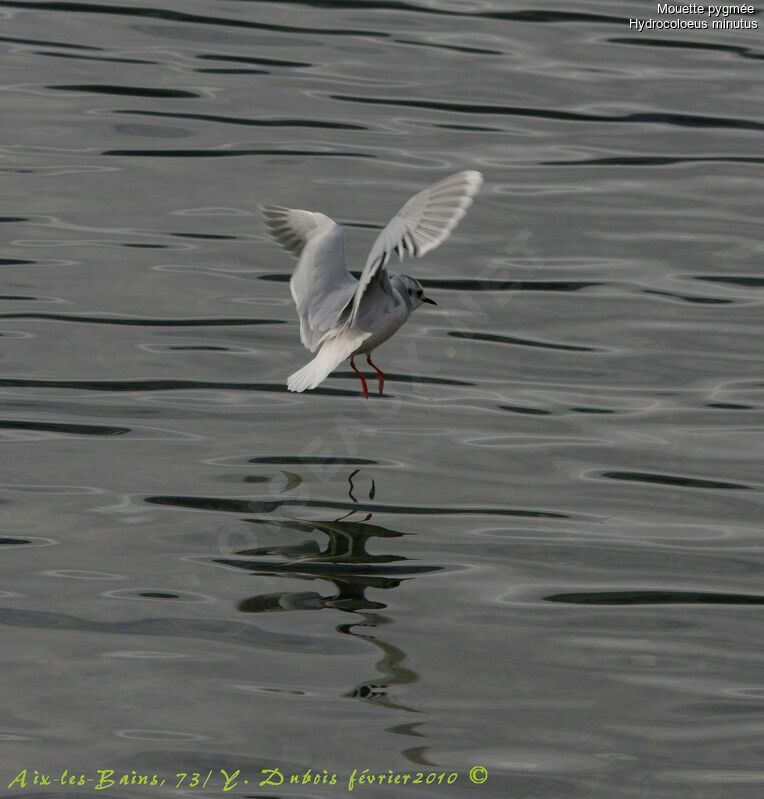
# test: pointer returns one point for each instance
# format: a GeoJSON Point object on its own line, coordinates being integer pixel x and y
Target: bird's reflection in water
{"type": "Point", "coordinates": [344, 561]}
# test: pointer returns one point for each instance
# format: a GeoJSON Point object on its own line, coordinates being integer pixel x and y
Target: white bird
{"type": "Point", "coordinates": [345, 317]}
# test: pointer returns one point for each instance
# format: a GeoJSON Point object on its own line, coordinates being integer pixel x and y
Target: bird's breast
{"type": "Point", "coordinates": [382, 326]}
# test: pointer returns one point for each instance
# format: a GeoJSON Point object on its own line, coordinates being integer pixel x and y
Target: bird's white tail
{"type": "Point", "coordinates": [332, 353]}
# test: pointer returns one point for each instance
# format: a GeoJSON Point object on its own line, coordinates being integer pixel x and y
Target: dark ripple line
{"type": "Point", "coordinates": [14, 261]}
{"type": "Point", "coordinates": [230, 71]}
{"type": "Point", "coordinates": [473, 128]}
{"type": "Point", "coordinates": [743, 52]}
{"type": "Point", "coordinates": [260, 123]}
{"type": "Point", "coordinates": [187, 385]}
{"type": "Point", "coordinates": [95, 58]}
{"type": "Point", "coordinates": [14, 219]}
{"type": "Point", "coordinates": [324, 460]}
{"type": "Point", "coordinates": [657, 160]}
{"type": "Point", "coordinates": [179, 16]}
{"type": "Point", "coordinates": [141, 385]}
{"type": "Point", "coordinates": [734, 280]}
{"type": "Point", "coordinates": [200, 349]}
{"type": "Point", "coordinates": [232, 153]}
{"type": "Point", "coordinates": [473, 285]}
{"type": "Point", "coordinates": [46, 43]}
{"type": "Point", "coordinates": [214, 236]}
{"type": "Point", "coordinates": [539, 15]}
{"type": "Point", "coordinates": [525, 409]}
{"type": "Point", "coordinates": [690, 297]}
{"type": "Point", "coordinates": [457, 48]}
{"type": "Point", "coordinates": [222, 632]}
{"type": "Point", "coordinates": [652, 597]}
{"type": "Point", "coordinates": [167, 385]}
{"type": "Point", "coordinates": [496, 339]}
{"type": "Point", "coordinates": [102, 320]}
{"type": "Point", "coordinates": [554, 17]}
{"type": "Point", "coordinates": [663, 118]}
{"type": "Point", "coordinates": [269, 506]}
{"type": "Point", "coordinates": [672, 480]}
{"type": "Point", "coordinates": [528, 409]}
{"type": "Point", "coordinates": [325, 568]}
{"type": "Point", "coordinates": [266, 62]}
{"type": "Point", "coordinates": [132, 91]}
{"type": "Point", "coordinates": [63, 427]}
{"type": "Point", "coordinates": [14, 542]}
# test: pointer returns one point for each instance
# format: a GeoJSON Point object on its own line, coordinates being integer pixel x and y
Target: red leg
{"type": "Point", "coordinates": [380, 373]}
{"type": "Point", "coordinates": [361, 378]}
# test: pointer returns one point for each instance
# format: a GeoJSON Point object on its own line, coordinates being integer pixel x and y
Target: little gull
{"type": "Point", "coordinates": [345, 317]}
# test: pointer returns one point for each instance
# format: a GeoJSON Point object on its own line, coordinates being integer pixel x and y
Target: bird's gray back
{"type": "Point", "coordinates": [380, 304]}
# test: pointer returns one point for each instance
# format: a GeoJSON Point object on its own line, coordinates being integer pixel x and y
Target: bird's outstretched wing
{"type": "Point", "coordinates": [423, 223]}
{"type": "Point", "coordinates": [321, 286]}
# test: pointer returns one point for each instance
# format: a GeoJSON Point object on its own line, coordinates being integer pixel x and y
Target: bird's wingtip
{"type": "Point", "coordinates": [475, 178]}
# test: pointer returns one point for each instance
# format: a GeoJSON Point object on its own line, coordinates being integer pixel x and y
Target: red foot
{"type": "Point", "coordinates": [361, 378]}
{"type": "Point", "coordinates": [380, 373]}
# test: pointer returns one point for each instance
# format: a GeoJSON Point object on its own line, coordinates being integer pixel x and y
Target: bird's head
{"type": "Point", "coordinates": [414, 292]}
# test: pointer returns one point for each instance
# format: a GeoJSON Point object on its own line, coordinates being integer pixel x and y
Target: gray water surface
{"type": "Point", "coordinates": [540, 551]}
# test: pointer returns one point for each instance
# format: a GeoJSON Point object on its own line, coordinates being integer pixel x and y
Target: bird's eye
{"type": "Point", "coordinates": [419, 293]}
{"type": "Point", "coordinates": [410, 292]}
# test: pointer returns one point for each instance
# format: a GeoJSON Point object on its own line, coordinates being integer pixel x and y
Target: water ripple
{"type": "Point", "coordinates": [672, 480]}
{"type": "Point", "coordinates": [234, 505]}
{"type": "Point", "coordinates": [180, 16]}
{"type": "Point", "coordinates": [744, 281]}
{"type": "Point", "coordinates": [743, 52]}
{"type": "Point", "coordinates": [136, 321]}
{"type": "Point", "coordinates": [47, 43]}
{"type": "Point", "coordinates": [267, 62]}
{"type": "Point", "coordinates": [131, 91]}
{"type": "Point", "coordinates": [530, 16]}
{"type": "Point", "coordinates": [641, 117]}
{"type": "Point", "coordinates": [312, 460]}
{"type": "Point", "coordinates": [167, 384]}
{"type": "Point", "coordinates": [259, 123]}
{"type": "Point", "coordinates": [454, 47]}
{"type": "Point", "coordinates": [229, 152]}
{"type": "Point", "coordinates": [658, 160]}
{"type": "Point", "coordinates": [219, 632]}
{"type": "Point", "coordinates": [653, 597]}
{"type": "Point", "coordinates": [521, 342]}
{"type": "Point", "coordinates": [64, 427]}
{"type": "Point", "coordinates": [97, 58]}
